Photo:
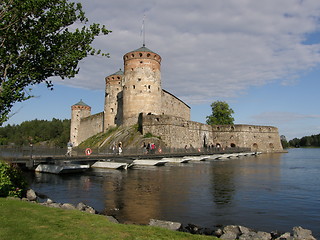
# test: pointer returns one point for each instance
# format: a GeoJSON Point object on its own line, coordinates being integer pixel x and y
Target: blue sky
{"type": "Point", "coordinates": [261, 57]}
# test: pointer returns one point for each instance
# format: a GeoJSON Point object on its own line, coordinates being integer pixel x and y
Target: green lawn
{"type": "Point", "coordinates": [25, 220]}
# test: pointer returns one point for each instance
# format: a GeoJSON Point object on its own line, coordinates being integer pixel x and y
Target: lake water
{"type": "Point", "coordinates": [266, 192]}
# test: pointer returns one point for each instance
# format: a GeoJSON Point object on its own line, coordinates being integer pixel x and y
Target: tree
{"type": "Point", "coordinates": [36, 43]}
{"type": "Point", "coordinates": [12, 182]}
{"type": "Point", "coordinates": [284, 141]}
{"type": "Point", "coordinates": [221, 114]}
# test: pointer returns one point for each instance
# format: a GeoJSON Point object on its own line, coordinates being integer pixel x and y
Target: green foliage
{"type": "Point", "coordinates": [307, 141]}
{"type": "Point", "coordinates": [150, 135]}
{"type": "Point", "coordinates": [55, 132]}
{"type": "Point", "coordinates": [38, 40]}
{"type": "Point", "coordinates": [12, 183]}
{"type": "Point", "coordinates": [284, 141]}
{"type": "Point", "coordinates": [221, 114]}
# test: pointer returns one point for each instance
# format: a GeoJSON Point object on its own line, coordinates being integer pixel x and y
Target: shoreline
{"type": "Point", "coordinates": [228, 232]}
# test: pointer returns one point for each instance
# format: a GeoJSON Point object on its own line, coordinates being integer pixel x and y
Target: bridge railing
{"type": "Point", "coordinates": [14, 152]}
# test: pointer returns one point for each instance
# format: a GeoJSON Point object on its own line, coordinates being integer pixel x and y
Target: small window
{"type": "Point", "coordinates": [141, 61]}
{"type": "Point", "coordinates": [132, 55]}
{"type": "Point", "coordinates": [149, 87]}
{"type": "Point", "coordinates": [139, 79]}
{"type": "Point", "coordinates": [148, 55]}
{"type": "Point", "coordinates": [140, 54]}
{"type": "Point", "coordinates": [134, 86]}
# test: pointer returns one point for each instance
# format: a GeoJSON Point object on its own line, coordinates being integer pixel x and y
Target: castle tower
{"type": "Point", "coordinates": [113, 100]}
{"type": "Point", "coordinates": [78, 111]}
{"type": "Point", "coordinates": [142, 84]}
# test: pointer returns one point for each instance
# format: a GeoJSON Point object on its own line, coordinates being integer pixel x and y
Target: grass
{"type": "Point", "coordinates": [95, 140]}
{"type": "Point", "coordinates": [21, 220]}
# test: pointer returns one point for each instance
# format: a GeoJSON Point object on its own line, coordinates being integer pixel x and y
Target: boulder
{"type": "Point", "coordinates": [244, 230]}
{"type": "Point", "coordinates": [218, 232]}
{"type": "Point", "coordinates": [85, 208]}
{"type": "Point", "coordinates": [165, 224]}
{"type": "Point", "coordinates": [81, 206]}
{"type": "Point", "coordinates": [54, 205]}
{"type": "Point", "coordinates": [90, 210]}
{"type": "Point", "coordinates": [193, 229]}
{"type": "Point", "coordinates": [112, 219]}
{"type": "Point", "coordinates": [255, 236]}
{"type": "Point", "coordinates": [68, 206]}
{"type": "Point", "coordinates": [303, 234]}
{"type": "Point", "coordinates": [284, 236]}
{"type": "Point", "coordinates": [229, 236]}
{"type": "Point", "coordinates": [232, 228]}
{"type": "Point", "coordinates": [264, 235]}
{"type": "Point", "coordinates": [31, 195]}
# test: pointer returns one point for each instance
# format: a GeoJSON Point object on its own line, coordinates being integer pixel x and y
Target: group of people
{"type": "Point", "coordinates": [149, 148]}
{"type": "Point", "coordinates": [117, 149]}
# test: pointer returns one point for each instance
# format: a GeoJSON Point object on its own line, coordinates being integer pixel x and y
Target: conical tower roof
{"type": "Point", "coordinates": [143, 49]}
{"type": "Point", "coordinates": [81, 103]}
{"type": "Point", "coordinates": [120, 72]}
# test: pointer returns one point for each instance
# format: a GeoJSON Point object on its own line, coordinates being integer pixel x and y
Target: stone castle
{"type": "Point", "coordinates": [135, 95]}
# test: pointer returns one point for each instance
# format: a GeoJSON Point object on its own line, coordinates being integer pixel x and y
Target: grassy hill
{"type": "Point", "coordinates": [130, 137]}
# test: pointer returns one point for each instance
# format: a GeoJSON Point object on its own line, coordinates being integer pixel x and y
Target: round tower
{"type": "Point", "coordinates": [113, 100]}
{"type": "Point", "coordinates": [141, 84]}
{"type": "Point", "coordinates": [78, 111]}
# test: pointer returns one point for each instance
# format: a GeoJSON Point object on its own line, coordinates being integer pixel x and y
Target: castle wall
{"type": "Point", "coordinates": [171, 105]}
{"type": "Point", "coordinates": [90, 126]}
{"type": "Point", "coordinates": [178, 132]}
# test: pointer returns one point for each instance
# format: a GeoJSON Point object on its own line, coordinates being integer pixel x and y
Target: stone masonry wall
{"type": "Point", "coordinates": [178, 132]}
{"type": "Point", "coordinates": [171, 105]}
{"type": "Point", "coordinates": [90, 126]}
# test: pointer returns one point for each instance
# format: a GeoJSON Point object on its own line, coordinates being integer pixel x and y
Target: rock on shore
{"type": "Point", "coordinates": [232, 232]}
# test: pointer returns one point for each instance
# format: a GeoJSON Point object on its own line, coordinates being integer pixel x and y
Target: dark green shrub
{"type": "Point", "coordinates": [12, 182]}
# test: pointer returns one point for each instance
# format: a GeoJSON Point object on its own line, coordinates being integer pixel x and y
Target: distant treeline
{"type": "Point", "coordinates": [307, 141]}
{"type": "Point", "coordinates": [55, 133]}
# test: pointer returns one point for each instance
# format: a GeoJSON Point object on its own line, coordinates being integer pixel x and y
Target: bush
{"type": "Point", "coordinates": [12, 182]}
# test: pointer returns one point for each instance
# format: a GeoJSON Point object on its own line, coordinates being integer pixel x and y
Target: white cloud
{"type": "Point", "coordinates": [210, 49]}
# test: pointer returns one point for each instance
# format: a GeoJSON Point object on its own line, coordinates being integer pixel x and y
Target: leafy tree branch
{"type": "Point", "coordinates": [37, 43]}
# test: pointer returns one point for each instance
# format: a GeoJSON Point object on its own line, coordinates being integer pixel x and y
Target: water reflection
{"type": "Point", "coordinates": [223, 186]}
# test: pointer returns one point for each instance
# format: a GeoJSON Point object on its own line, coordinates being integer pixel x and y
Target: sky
{"type": "Point", "coordinates": [261, 57]}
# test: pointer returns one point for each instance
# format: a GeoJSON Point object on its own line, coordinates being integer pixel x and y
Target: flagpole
{"type": "Point", "coordinates": [143, 31]}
